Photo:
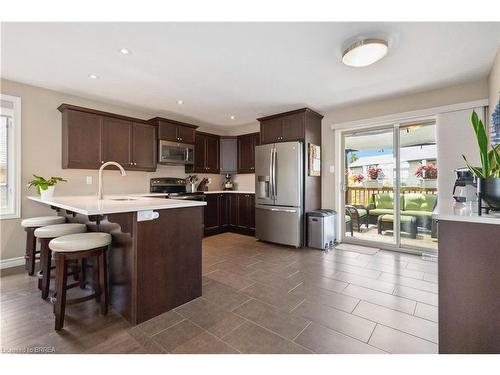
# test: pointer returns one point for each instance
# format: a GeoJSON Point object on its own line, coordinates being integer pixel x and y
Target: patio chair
{"type": "Point", "coordinates": [348, 223]}
{"type": "Point", "coordinates": [359, 215]}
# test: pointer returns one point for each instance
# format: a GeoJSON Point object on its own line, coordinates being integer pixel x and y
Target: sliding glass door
{"type": "Point", "coordinates": [390, 186]}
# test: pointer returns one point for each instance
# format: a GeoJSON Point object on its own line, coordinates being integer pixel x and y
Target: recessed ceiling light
{"type": "Point", "coordinates": [232, 117]}
{"type": "Point", "coordinates": [93, 76]}
{"type": "Point", "coordinates": [180, 102]}
{"type": "Point", "coordinates": [124, 51]}
{"type": "Point", "coordinates": [365, 52]}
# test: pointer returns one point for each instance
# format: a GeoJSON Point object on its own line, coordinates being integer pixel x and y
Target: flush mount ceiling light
{"type": "Point", "coordinates": [93, 76]}
{"type": "Point", "coordinates": [232, 117]}
{"type": "Point", "coordinates": [180, 102]}
{"type": "Point", "coordinates": [365, 52]}
{"type": "Point", "coordinates": [124, 51]}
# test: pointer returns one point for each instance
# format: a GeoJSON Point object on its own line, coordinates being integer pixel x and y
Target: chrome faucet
{"type": "Point", "coordinates": [122, 172]}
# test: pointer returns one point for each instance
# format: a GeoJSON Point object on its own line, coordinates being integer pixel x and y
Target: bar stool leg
{"type": "Point", "coordinates": [95, 278]}
{"type": "Point", "coordinates": [29, 264]}
{"type": "Point", "coordinates": [103, 280]}
{"type": "Point", "coordinates": [83, 274]}
{"type": "Point", "coordinates": [46, 260]}
{"type": "Point", "coordinates": [61, 284]}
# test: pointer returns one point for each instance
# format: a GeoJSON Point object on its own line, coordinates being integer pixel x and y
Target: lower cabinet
{"type": "Point", "coordinates": [230, 212]}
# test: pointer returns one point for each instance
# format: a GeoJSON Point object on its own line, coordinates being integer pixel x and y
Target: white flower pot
{"type": "Point", "coordinates": [47, 194]}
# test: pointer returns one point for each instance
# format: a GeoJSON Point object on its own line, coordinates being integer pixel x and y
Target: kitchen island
{"type": "Point", "coordinates": [469, 283]}
{"type": "Point", "coordinates": [155, 257]}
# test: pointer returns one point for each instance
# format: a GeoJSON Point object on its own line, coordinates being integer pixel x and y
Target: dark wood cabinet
{"type": "Point", "coordinates": [289, 126]}
{"type": "Point", "coordinates": [228, 155]}
{"type": "Point", "coordinates": [144, 146]}
{"type": "Point", "coordinates": [233, 212]}
{"type": "Point", "coordinates": [81, 139]}
{"type": "Point", "coordinates": [90, 138]}
{"type": "Point", "coordinates": [117, 141]}
{"type": "Point", "coordinates": [206, 154]}
{"type": "Point", "coordinates": [174, 131]}
{"type": "Point", "coordinates": [246, 152]}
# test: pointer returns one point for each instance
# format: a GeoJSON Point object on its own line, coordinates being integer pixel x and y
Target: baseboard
{"type": "Point", "coordinates": [11, 262]}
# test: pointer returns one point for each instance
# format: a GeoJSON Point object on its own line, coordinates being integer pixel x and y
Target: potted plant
{"type": "Point", "coordinates": [358, 178]}
{"type": "Point", "coordinates": [373, 177]}
{"type": "Point", "coordinates": [428, 175]}
{"type": "Point", "coordinates": [45, 187]}
{"type": "Point", "coordinates": [489, 173]}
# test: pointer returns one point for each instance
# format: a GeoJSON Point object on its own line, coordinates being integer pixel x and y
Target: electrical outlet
{"type": "Point", "coordinates": [332, 169]}
{"type": "Point", "coordinates": [88, 180]}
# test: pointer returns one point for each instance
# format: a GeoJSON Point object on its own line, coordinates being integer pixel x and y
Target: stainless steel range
{"type": "Point", "coordinates": [175, 188]}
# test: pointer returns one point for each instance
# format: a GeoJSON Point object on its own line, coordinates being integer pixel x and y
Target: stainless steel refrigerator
{"type": "Point", "coordinates": [279, 176]}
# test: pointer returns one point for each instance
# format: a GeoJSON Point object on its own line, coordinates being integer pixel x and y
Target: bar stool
{"type": "Point", "coordinates": [30, 225]}
{"type": "Point", "coordinates": [45, 235]}
{"type": "Point", "coordinates": [79, 247]}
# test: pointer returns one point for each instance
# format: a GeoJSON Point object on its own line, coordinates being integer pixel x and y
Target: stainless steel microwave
{"type": "Point", "coordinates": [174, 153]}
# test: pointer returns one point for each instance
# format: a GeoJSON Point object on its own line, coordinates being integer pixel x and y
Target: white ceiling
{"type": "Point", "coordinates": [242, 69]}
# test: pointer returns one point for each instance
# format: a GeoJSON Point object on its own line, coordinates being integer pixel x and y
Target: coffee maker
{"type": "Point", "coordinates": [465, 189]}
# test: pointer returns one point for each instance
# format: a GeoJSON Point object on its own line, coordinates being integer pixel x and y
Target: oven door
{"type": "Point", "coordinates": [174, 153]}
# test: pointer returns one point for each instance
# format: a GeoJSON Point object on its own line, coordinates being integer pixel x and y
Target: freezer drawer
{"type": "Point", "coordinates": [277, 224]}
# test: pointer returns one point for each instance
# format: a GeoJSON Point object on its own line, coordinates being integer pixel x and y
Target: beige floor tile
{"type": "Point", "coordinates": [326, 297]}
{"type": "Point", "coordinates": [394, 341]}
{"type": "Point", "coordinates": [223, 296]}
{"type": "Point", "coordinates": [431, 267]}
{"type": "Point", "coordinates": [409, 282]}
{"type": "Point", "coordinates": [177, 335]}
{"type": "Point", "coordinates": [381, 298]}
{"type": "Point", "coordinates": [159, 323]}
{"type": "Point", "coordinates": [416, 295]}
{"type": "Point", "coordinates": [337, 320]}
{"type": "Point", "coordinates": [252, 339]}
{"type": "Point", "coordinates": [427, 312]}
{"type": "Point", "coordinates": [230, 279]}
{"type": "Point", "coordinates": [272, 318]}
{"type": "Point", "coordinates": [323, 340]}
{"type": "Point", "coordinates": [431, 277]}
{"type": "Point", "coordinates": [204, 343]}
{"type": "Point", "coordinates": [274, 296]}
{"type": "Point", "coordinates": [210, 316]}
{"type": "Point", "coordinates": [413, 325]}
{"type": "Point", "coordinates": [275, 280]}
{"type": "Point", "coordinates": [379, 285]}
{"type": "Point", "coordinates": [319, 281]}
{"type": "Point", "coordinates": [397, 268]}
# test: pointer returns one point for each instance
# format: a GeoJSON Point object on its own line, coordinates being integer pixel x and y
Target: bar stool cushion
{"type": "Point", "coordinates": [80, 242]}
{"type": "Point", "coordinates": [58, 230]}
{"type": "Point", "coordinates": [41, 221]}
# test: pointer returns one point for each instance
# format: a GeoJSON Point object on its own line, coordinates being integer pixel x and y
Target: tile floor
{"type": "Point", "coordinates": [257, 298]}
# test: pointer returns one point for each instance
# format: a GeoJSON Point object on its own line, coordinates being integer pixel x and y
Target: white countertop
{"type": "Point", "coordinates": [448, 214]}
{"type": "Point", "coordinates": [229, 191]}
{"type": "Point", "coordinates": [89, 205]}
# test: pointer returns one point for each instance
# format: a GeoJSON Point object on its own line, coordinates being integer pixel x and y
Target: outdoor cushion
{"type": "Point", "coordinates": [384, 201]}
{"type": "Point", "coordinates": [361, 212]}
{"type": "Point", "coordinates": [419, 202]}
{"type": "Point", "coordinates": [381, 211]}
{"type": "Point", "coordinates": [347, 218]}
{"type": "Point", "coordinates": [390, 218]}
{"type": "Point", "coordinates": [417, 213]}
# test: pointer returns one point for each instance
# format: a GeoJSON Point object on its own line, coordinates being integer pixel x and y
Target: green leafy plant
{"type": "Point", "coordinates": [490, 159]}
{"type": "Point", "coordinates": [42, 184]}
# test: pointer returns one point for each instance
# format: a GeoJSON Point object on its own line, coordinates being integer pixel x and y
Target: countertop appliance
{"type": "Point", "coordinates": [279, 176]}
{"type": "Point", "coordinates": [175, 188]}
{"type": "Point", "coordinates": [228, 183]}
{"type": "Point", "coordinates": [465, 188]}
{"type": "Point", "coordinates": [173, 153]}
{"type": "Point", "coordinates": [321, 229]}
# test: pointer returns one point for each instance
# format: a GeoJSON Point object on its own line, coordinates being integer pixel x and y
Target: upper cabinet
{"type": "Point", "coordinates": [228, 154]}
{"type": "Point", "coordinates": [246, 152]}
{"type": "Point", "coordinates": [289, 126]}
{"type": "Point", "coordinates": [206, 154]}
{"type": "Point", "coordinates": [90, 138]}
{"type": "Point", "coordinates": [174, 131]}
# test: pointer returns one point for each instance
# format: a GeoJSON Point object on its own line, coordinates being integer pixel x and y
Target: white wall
{"type": "Point", "coordinates": [494, 82]}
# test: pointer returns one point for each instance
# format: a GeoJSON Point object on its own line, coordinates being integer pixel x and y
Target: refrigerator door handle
{"type": "Point", "coordinates": [275, 190]}
{"type": "Point", "coordinates": [271, 189]}
{"type": "Point", "coordinates": [274, 209]}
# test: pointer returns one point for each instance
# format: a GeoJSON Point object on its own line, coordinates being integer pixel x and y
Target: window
{"type": "Point", "coordinates": [10, 157]}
